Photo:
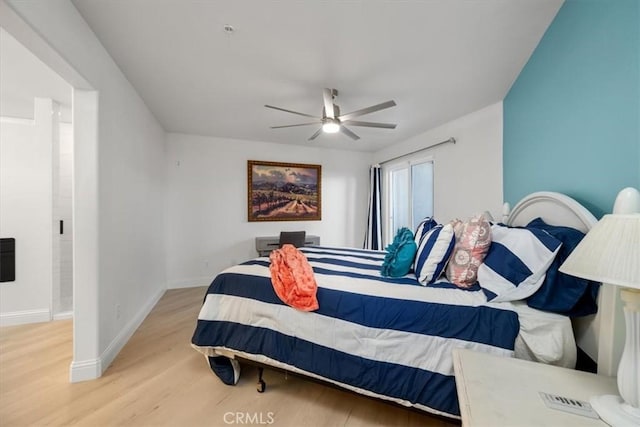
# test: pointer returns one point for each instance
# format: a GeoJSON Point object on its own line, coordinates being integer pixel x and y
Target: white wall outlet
{"type": "Point", "coordinates": [118, 311]}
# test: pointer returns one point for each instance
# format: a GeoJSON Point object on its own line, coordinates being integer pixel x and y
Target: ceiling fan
{"type": "Point", "coordinates": [332, 121]}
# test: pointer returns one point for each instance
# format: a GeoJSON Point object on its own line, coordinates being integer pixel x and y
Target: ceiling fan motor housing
{"type": "Point", "coordinates": [336, 109]}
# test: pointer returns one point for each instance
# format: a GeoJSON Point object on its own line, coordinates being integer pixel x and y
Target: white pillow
{"type": "Point", "coordinates": [516, 263]}
{"type": "Point", "coordinates": [434, 251]}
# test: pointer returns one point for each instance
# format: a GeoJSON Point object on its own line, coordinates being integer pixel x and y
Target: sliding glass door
{"type": "Point", "coordinates": [409, 196]}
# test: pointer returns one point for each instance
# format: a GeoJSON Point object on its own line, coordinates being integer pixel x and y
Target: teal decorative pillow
{"type": "Point", "coordinates": [400, 254]}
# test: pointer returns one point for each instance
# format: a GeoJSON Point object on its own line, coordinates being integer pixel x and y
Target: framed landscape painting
{"type": "Point", "coordinates": [283, 191]}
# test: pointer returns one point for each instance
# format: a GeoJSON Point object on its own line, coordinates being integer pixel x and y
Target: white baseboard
{"type": "Point", "coordinates": [63, 315]}
{"type": "Point", "coordinates": [127, 332]}
{"type": "Point", "coordinates": [24, 317]}
{"type": "Point", "coordinates": [85, 370]}
{"type": "Point", "coordinates": [194, 282]}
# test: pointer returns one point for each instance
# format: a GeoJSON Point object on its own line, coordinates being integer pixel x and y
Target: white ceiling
{"type": "Point", "coordinates": [438, 59]}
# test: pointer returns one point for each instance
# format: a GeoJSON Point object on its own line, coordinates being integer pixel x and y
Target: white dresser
{"type": "Point", "coordinates": [264, 245]}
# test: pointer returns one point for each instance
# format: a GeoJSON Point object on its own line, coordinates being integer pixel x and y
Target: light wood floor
{"type": "Point", "coordinates": [158, 379]}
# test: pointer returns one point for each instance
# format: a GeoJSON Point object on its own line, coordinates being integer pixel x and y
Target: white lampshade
{"type": "Point", "coordinates": [609, 253]}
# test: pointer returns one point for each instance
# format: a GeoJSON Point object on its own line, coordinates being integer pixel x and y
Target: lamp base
{"type": "Point", "coordinates": [615, 412]}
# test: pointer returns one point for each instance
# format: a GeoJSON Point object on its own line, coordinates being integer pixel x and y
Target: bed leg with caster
{"type": "Point", "coordinates": [261, 386]}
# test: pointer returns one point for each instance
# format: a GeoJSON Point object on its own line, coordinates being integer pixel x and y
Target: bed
{"type": "Point", "coordinates": [382, 337]}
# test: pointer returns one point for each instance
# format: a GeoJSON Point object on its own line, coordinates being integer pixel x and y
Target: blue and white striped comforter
{"type": "Point", "coordinates": [388, 338]}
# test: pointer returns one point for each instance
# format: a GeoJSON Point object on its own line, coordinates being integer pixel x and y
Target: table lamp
{"type": "Point", "coordinates": [610, 253]}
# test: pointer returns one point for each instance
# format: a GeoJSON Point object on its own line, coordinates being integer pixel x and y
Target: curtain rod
{"type": "Point", "coordinates": [452, 139]}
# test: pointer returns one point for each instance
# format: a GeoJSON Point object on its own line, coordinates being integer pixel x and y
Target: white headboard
{"type": "Point", "coordinates": [554, 209]}
{"type": "Point", "coordinates": [559, 209]}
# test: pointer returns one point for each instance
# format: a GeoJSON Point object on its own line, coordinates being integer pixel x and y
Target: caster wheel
{"type": "Point", "coordinates": [261, 386]}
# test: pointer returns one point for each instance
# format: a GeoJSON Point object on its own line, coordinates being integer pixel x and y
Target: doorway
{"type": "Point", "coordinates": [36, 177]}
{"type": "Point", "coordinates": [62, 295]}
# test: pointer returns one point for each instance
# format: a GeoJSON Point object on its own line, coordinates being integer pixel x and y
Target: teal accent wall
{"type": "Point", "coordinates": [572, 117]}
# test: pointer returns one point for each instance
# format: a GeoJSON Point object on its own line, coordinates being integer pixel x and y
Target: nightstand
{"type": "Point", "coordinates": [501, 391]}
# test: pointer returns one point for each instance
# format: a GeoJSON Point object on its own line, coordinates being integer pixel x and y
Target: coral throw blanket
{"type": "Point", "coordinates": [292, 278]}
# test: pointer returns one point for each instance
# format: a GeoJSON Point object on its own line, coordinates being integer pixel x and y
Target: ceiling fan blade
{"type": "Point", "coordinates": [370, 124]}
{"type": "Point", "coordinates": [299, 124]}
{"type": "Point", "coordinates": [349, 133]}
{"type": "Point", "coordinates": [315, 135]}
{"type": "Point", "coordinates": [292, 112]}
{"type": "Point", "coordinates": [328, 103]}
{"type": "Point", "coordinates": [367, 110]}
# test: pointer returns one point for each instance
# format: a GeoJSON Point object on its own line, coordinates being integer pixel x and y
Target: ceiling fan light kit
{"type": "Point", "coordinates": [332, 121]}
{"type": "Point", "coordinates": [331, 126]}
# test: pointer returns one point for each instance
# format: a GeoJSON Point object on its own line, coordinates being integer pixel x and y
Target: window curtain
{"type": "Point", "coordinates": [373, 239]}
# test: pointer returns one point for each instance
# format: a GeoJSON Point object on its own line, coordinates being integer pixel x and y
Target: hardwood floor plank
{"type": "Point", "coordinates": [159, 380]}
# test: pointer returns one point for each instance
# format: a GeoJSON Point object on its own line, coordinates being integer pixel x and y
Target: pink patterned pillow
{"type": "Point", "coordinates": [473, 239]}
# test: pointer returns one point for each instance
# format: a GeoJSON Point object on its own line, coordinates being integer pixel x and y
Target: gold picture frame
{"type": "Point", "coordinates": [283, 191]}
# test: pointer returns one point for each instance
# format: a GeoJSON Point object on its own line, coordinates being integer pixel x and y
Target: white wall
{"type": "Point", "coordinates": [207, 228]}
{"type": "Point", "coordinates": [119, 181]}
{"type": "Point", "coordinates": [25, 214]}
{"type": "Point", "coordinates": [24, 77]}
{"type": "Point", "coordinates": [467, 174]}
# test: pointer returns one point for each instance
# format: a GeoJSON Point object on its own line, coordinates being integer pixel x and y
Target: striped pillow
{"type": "Point", "coordinates": [433, 253]}
{"type": "Point", "coordinates": [517, 262]}
{"type": "Point", "coordinates": [425, 225]}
